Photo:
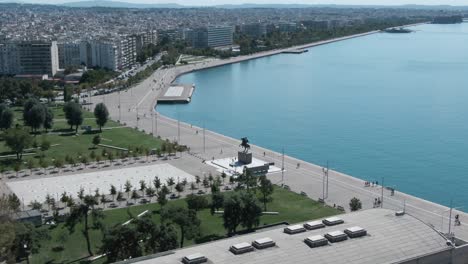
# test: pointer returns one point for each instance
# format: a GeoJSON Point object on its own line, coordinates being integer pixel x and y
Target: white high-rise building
{"type": "Point", "coordinates": [105, 54]}
{"type": "Point", "coordinates": [69, 54]}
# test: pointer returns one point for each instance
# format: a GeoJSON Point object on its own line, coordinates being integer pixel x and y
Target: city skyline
{"type": "Point", "coordinates": [286, 2]}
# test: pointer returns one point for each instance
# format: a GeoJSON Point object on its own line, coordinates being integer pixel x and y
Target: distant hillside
{"type": "Point", "coordinates": [118, 4]}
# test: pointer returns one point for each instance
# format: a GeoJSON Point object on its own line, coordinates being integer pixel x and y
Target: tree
{"type": "Point", "coordinates": [251, 211]}
{"type": "Point", "coordinates": [17, 140]}
{"type": "Point", "coordinates": [17, 167]}
{"type": "Point", "coordinates": [27, 240]}
{"type": "Point", "coordinates": [170, 182]}
{"type": "Point", "coordinates": [6, 117]}
{"type": "Point", "coordinates": [241, 208]}
{"type": "Point", "coordinates": [67, 93]}
{"type": "Point", "coordinates": [142, 186]}
{"type": "Point", "coordinates": [80, 213]}
{"type": "Point", "coordinates": [217, 201]}
{"type": "Point", "coordinates": [247, 180]}
{"type": "Point", "coordinates": [27, 106]}
{"type": "Point", "coordinates": [135, 195]}
{"type": "Point", "coordinates": [113, 191]}
{"type": "Point", "coordinates": [232, 212]}
{"type": "Point", "coordinates": [49, 119]}
{"type": "Point", "coordinates": [223, 176]}
{"type": "Point", "coordinates": [157, 183]}
{"type": "Point", "coordinates": [73, 114]}
{"type": "Point", "coordinates": [121, 242]}
{"type": "Point", "coordinates": [197, 180]}
{"type": "Point", "coordinates": [58, 163]}
{"type": "Point", "coordinates": [155, 238]}
{"type": "Point", "coordinates": [179, 188]}
{"type": "Point", "coordinates": [128, 186]}
{"type": "Point", "coordinates": [355, 204]}
{"type": "Point", "coordinates": [162, 199]}
{"type": "Point", "coordinates": [206, 183]}
{"type": "Point", "coordinates": [43, 163]}
{"type": "Point", "coordinates": [81, 194]}
{"type": "Point", "coordinates": [193, 187]}
{"type": "Point", "coordinates": [150, 192]}
{"type": "Point", "coordinates": [186, 219]}
{"type": "Point", "coordinates": [45, 145]}
{"type": "Point", "coordinates": [14, 202]}
{"type": "Point", "coordinates": [36, 117]}
{"type": "Point", "coordinates": [35, 205]}
{"type": "Point", "coordinates": [196, 203]}
{"type": "Point", "coordinates": [119, 196]}
{"type": "Point", "coordinates": [266, 190]}
{"type": "Point", "coordinates": [30, 164]}
{"type": "Point", "coordinates": [96, 140]}
{"type": "Point", "coordinates": [101, 114]}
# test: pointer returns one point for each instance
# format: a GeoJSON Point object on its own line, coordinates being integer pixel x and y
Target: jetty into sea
{"type": "Point", "coordinates": [177, 94]}
{"type": "Point", "coordinates": [295, 51]}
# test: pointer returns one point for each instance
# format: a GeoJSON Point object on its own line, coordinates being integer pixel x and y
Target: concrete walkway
{"type": "Point", "coordinates": [137, 111]}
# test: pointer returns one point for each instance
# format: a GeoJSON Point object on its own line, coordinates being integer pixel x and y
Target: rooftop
{"type": "Point", "coordinates": [389, 239]}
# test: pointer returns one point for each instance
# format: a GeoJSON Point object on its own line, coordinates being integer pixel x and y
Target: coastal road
{"type": "Point", "coordinates": [140, 100]}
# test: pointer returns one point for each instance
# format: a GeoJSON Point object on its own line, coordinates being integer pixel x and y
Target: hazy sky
{"type": "Point", "coordinates": [342, 2]}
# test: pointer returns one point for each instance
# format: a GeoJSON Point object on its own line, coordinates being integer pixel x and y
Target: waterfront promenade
{"type": "Point", "coordinates": [136, 109]}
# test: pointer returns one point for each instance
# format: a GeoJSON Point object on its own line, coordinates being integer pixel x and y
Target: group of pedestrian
{"type": "Point", "coordinates": [371, 184]}
{"type": "Point", "coordinates": [377, 202]}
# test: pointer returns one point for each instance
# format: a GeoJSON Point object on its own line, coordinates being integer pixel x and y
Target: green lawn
{"type": "Point", "coordinates": [67, 143]}
{"type": "Point", "coordinates": [292, 208]}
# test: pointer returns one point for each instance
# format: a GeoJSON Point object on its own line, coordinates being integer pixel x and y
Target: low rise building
{"type": "Point", "coordinates": [364, 237]}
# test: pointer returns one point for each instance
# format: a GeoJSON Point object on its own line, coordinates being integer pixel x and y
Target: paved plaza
{"type": "Point", "coordinates": [37, 189]}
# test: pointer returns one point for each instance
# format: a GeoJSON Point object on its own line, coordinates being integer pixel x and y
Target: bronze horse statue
{"type": "Point", "coordinates": [245, 144]}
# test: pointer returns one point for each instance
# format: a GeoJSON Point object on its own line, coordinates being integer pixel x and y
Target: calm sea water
{"type": "Point", "coordinates": [384, 105]}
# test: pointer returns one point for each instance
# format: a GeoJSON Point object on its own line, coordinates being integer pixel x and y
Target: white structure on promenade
{"type": "Point", "coordinates": [231, 166]}
{"type": "Point", "coordinates": [37, 189]}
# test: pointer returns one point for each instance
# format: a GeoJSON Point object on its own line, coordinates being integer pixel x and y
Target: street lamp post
{"type": "Point", "coordinates": [204, 141]}
{"type": "Point", "coordinates": [120, 112]}
{"type": "Point", "coordinates": [137, 117]}
{"type": "Point", "coordinates": [325, 182]}
{"type": "Point", "coordinates": [282, 166]}
{"type": "Point", "coordinates": [381, 196]}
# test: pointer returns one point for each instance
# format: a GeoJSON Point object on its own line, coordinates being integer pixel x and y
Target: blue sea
{"type": "Point", "coordinates": [383, 105]}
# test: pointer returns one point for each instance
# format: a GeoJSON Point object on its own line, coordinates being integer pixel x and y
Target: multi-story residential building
{"type": "Point", "coordinates": [316, 24]}
{"type": "Point", "coordinates": [171, 34]}
{"type": "Point", "coordinates": [105, 54]}
{"type": "Point", "coordinates": [145, 38]}
{"type": "Point", "coordinates": [69, 54]}
{"type": "Point", "coordinates": [29, 58]}
{"type": "Point", "coordinates": [211, 37]}
{"type": "Point", "coordinates": [255, 30]}
{"type": "Point", "coordinates": [127, 51]}
{"type": "Point", "coordinates": [86, 53]}
{"type": "Point", "coordinates": [287, 27]}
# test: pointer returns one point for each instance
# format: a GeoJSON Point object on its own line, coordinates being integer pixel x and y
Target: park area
{"type": "Point", "coordinates": [292, 208]}
{"type": "Point", "coordinates": [65, 143]}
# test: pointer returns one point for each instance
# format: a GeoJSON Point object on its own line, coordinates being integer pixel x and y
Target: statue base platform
{"type": "Point", "coordinates": [244, 157]}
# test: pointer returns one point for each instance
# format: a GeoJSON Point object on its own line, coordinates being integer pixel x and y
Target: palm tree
{"type": "Point", "coordinates": [170, 182]}
{"type": "Point", "coordinates": [157, 183]}
{"type": "Point", "coordinates": [80, 213]}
